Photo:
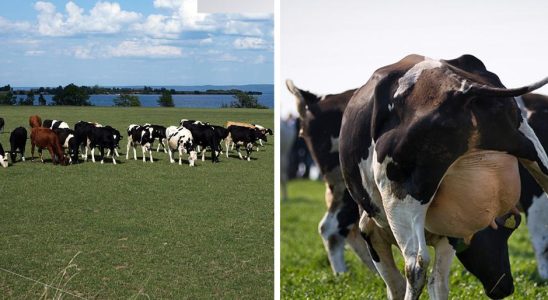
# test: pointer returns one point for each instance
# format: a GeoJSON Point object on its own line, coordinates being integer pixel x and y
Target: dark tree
{"type": "Point", "coordinates": [166, 100]}
{"type": "Point", "coordinates": [29, 100]}
{"type": "Point", "coordinates": [71, 95]}
{"type": "Point", "coordinates": [7, 98]}
{"type": "Point", "coordinates": [41, 100]}
{"type": "Point", "coordinates": [126, 100]}
{"type": "Point", "coordinates": [245, 100]}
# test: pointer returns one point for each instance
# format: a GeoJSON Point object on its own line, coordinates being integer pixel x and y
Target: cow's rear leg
{"type": "Point", "coordinates": [379, 241]}
{"type": "Point", "coordinates": [438, 284]}
{"type": "Point", "coordinates": [127, 148]}
{"type": "Point", "coordinates": [203, 153]}
{"type": "Point", "coordinates": [358, 245]}
{"type": "Point", "coordinates": [406, 219]}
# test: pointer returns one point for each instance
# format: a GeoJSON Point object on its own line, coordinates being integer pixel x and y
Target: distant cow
{"type": "Point", "coordinates": [2, 124]}
{"type": "Point", "coordinates": [243, 136]}
{"type": "Point", "coordinates": [185, 122]}
{"type": "Point", "coordinates": [82, 132]}
{"type": "Point", "coordinates": [54, 124]}
{"type": "Point", "coordinates": [102, 137]}
{"type": "Point", "coordinates": [69, 142]}
{"type": "Point", "coordinates": [3, 157]}
{"type": "Point", "coordinates": [159, 133]}
{"type": "Point", "coordinates": [435, 145]}
{"type": "Point", "coordinates": [180, 139]}
{"type": "Point", "coordinates": [142, 136]}
{"type": "Point", "coordinates": [205, 136]}
{"type": "Point", "coordinates": [35, 121]}
{"type": "Point", "coordinates": [18, 142]}
{"type": "Point", "coordinates": [46, 138]}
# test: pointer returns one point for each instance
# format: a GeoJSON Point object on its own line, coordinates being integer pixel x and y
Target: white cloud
{"type": "Point", "coordinates": [206, 41]}
{"type": "Point", "coordinates": [242, 28]}
{"type": "Point", "coordinates": [34, 52]}
{"type": "Point", "coordinates": [9, 26]}
{"type": "Point", "coordinates": [228, 57]}
{"type": "Point", "coordinates": [260, 59]}
{"type": "Point", "coordinates": [250, 43]}
{"type": "Point", "coordinates": [143, 49]}
{"type": "Point", "coordinates": [104, 17]}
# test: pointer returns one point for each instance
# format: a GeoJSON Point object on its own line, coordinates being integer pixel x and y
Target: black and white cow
{"type": "Point", "coordinates": [434, 144]}
{"type": "Point", "coordinates": [320, 119]}
{"type": "Point", "coordinates": [117, 138]}
{"type": "Point", "coordinates": [185, 122]}
{"type": "Point", "coordinates": [265, 131]}
{"type": "Point", "coordinates": [54, 124]}
{"type": "Point", "coordinates": [158, 133]}
{"type": "Point", "coordinates": [3, 157]}
{"type": "Point", "coordinates": [180, 139]}
{"type": "Point", "coordinates": [102, 137]}
{"type": "Point", "coordinates": [142, 136]}
{"type": "Point", "coordinates": [533, 199]}
{"type": "Point", "coordinates": [205, 136]}
{"type": "Point", "coordinates": [68, 140]}
{"type": "Point", "coordinates": [18, 142]}
{"type": "Point", "coordinates": [243, 136]}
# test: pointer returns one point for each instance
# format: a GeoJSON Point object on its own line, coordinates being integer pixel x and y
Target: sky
{"type": "Point", "coordinates": [333, 46]}
{"type": "Point", "coordinates": [135, 42]}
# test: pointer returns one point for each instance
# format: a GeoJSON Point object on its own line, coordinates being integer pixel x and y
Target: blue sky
{"type": "Point", "coordinates": [138, 42]}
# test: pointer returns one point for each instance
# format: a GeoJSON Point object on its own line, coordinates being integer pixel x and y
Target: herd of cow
{"type": "Point", "coordinates": [431, 152]}
{"type": "Point", "coordinates": [190, 137]}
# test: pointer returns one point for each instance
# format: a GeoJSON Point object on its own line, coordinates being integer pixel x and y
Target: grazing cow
{"type": "Point", "coordinates": [82, 132]}
{"type": "Point", "coordinates": [243, 136]}
{"type": "Point", "coordinates": [3, 157]}
{"type": "Point", "coordinates": [18, 142]}
{"type": "Point", "coordinates": [180, 139]}
{"type": "Point", "coordinates": [434, 144]}
{"type": "Point", "coordinates": [158, 132]}
{"type": "Point", "coordinates": [533, 199]}
{"type": "Point", "coordinates": [139, 135]}
{"type": "Point", "coordinates": [117, 138]}
{"type": "Point", "coordinates": [264, 130]}
{"type": "Point", "coordinates": [67, 138]}
{"type": "Point", "coordinates": [46, 138]}
{"type": "Point", "coordinates": [205, 136]}
{"type": "Point", "coordinates": [54, 124]}
{"type": "Point", "coordinates": [2, 124]}
{"type": "Point", "coordinates": [222, 134]}
{"type": "Point", "coordinates": [102, 137]}
{"type": "Point", "coordinates": [35, 121]}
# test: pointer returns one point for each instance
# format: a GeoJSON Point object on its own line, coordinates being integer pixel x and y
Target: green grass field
{"type": "Point", "coordinates": [136, 230]}
{"type": "Point", "coordinates": [305, 271]}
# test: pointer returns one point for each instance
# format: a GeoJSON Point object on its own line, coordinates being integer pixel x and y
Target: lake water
{"type": "Point", "coordinates": [195, 101]}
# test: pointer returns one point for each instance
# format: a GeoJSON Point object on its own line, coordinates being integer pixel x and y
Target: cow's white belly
{"type": "Point", "coordinates": [480, 186]}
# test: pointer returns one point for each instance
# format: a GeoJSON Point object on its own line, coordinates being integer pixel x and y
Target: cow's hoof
{"type": "Point", "coordinates": [249, 159]}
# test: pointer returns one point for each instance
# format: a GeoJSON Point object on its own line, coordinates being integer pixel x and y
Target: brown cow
{"type": "Point", "coordinates": [46, 138]}
{"type": "Point", "coordinates": [35, 121]}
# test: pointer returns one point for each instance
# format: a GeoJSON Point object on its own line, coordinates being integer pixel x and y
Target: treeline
{"type": "Point", "coordinates": [146, 90]}
{"type": "Point", "coordinates": [79, 96]}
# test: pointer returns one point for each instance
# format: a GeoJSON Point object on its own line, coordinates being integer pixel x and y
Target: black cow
{"type": "Point", "coordinates": [102, 137]}
{"type": "Point", "coordinates": [82, 133]}
{"type": "Point", "coordinates": [68, 140]}
{"type": "Point", "coordinates": [3, 158]}
{"type": "Point", "coordinates": [205, 136]}
{"type": "Point", "coordinates": [222, 134]}
{"type": "Point", "coordinates": [140, 135]}
{"type": "Point", "coordinates": [243, 136]}
{"type": "Point", "coordinates": [18, 142]}
{"type": "Point", "coordinates": [434, 144]}
{"type": "Point", "coordinates": [54, 124]}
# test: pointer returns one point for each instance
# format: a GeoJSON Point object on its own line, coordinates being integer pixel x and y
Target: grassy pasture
{"type": "Point", "coordinates": [136, 230]}
{"type": "Point", "coordinates": [305, 271]}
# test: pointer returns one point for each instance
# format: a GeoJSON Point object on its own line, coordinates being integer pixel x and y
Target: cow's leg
{"type": "Point", "coordinates": [203, 153]}
{"type": "Point", "coordinates": [23, 154]}
{"type": "Point", "coordinates": [82, 150]}
{"type": "Point", "coordinates": [52, 154]}
{"type": "Point", "coordinates": [180, 156]}
{"type": "Point", "coordinates": [359, 246]}
{"type": "Point", "coordinates": [537, 224]}
{"type": "Point", "coordinates": [116, 152]}
{"type": "Point", "coordinates": [164, 144]}
{"type": "Point", "coordinates": [41, 155]}
{"type": "Point", "coordinates": [108, 153]}
{"type": "Point", "coordinates": [238, 149]}
{"type": "Point", "coordinates": [379, 241]}
{"type": "Point", "coordinates": [113, 159]}
{"type": "Point", "coordinates": [93, 154]}
{"type": "Point", "coordinates": [32, 146]}
{"type": "Point", "coordinates": [406, 219]}
{"type": "Point", "coordinates": [144, 154]}
{"type": "Point", "coordinates": [127, 148]}
{"type": "Point", "coordinates": [170, 153]}
{"type": "Point", "coordinates": [227, 145]}
{"type": "Point", "coordinates": [102, 151]}
{"type": "Point", "coordinates": [150, 154]}
{"type": "Point", "coordinates": [438, 284]}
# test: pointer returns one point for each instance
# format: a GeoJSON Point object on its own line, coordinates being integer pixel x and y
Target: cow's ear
{"type": "Point", "coordinates": [305, 100]}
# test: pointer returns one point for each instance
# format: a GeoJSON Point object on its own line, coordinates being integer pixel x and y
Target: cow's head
{"type": "Point", "coordinates": [320, 122]}
{"type": "Point", "coordinates": [487, 256]}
